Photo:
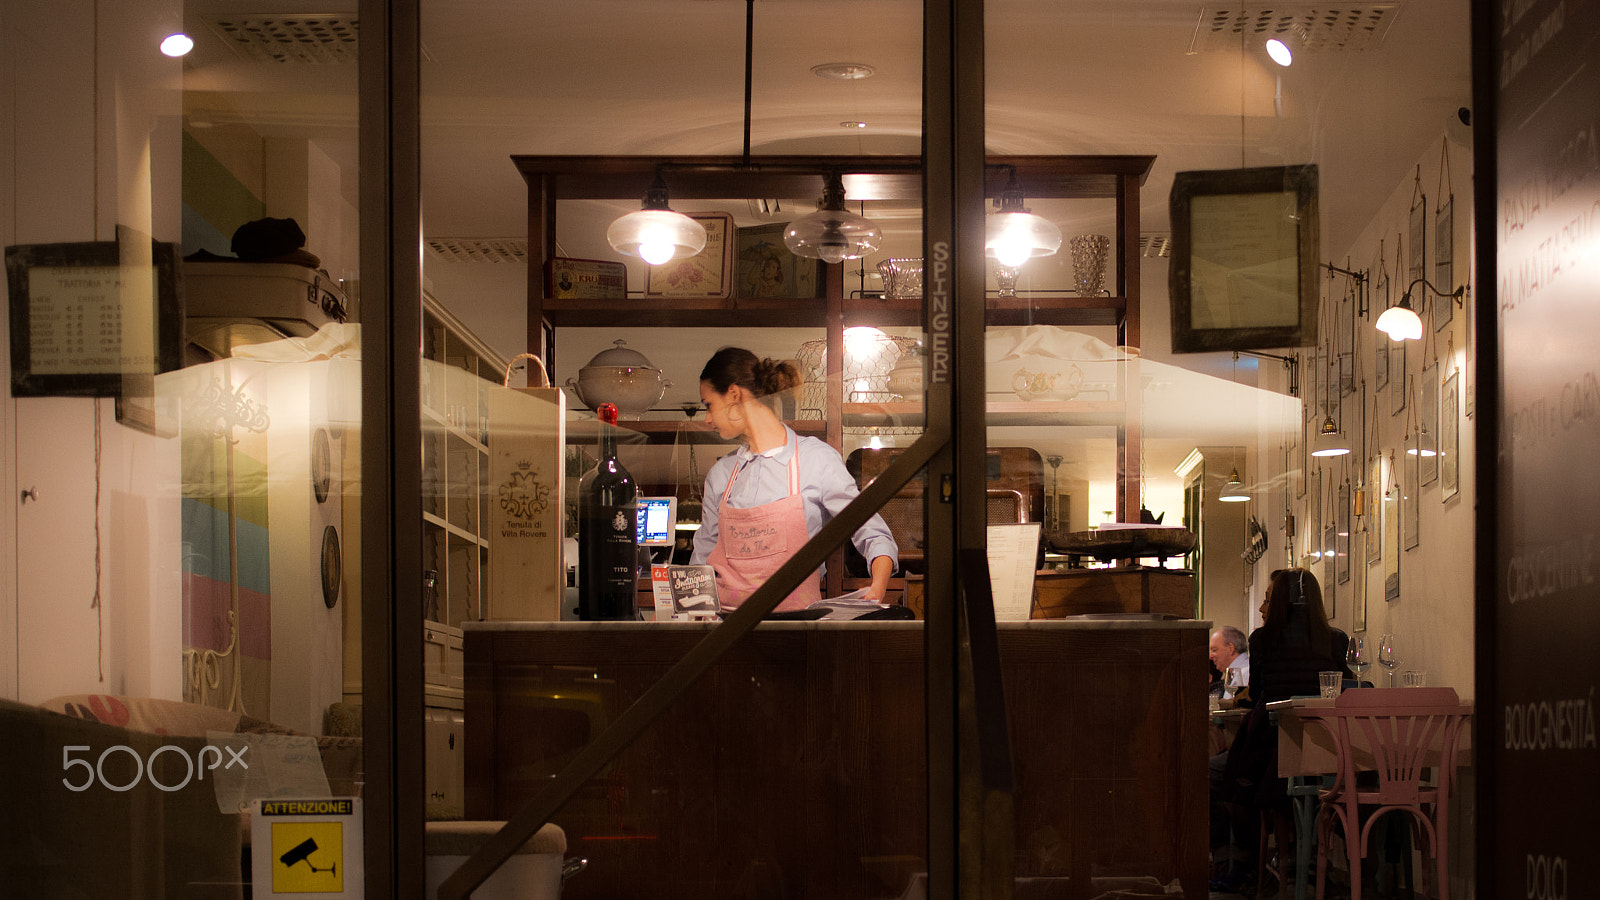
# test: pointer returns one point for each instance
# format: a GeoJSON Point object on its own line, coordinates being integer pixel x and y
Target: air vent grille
{"type": "Point", "coordinates": [1155, 245]}
{"type": "Point", "coordinates": [317, 38]}
{"type": "Point", "coordinates": [479, 250]}
{"type": "Point", "coordinates": [1309, 27]}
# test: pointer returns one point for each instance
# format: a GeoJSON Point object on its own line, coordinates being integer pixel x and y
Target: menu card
{"type": "Point", "coordinates": [1013, 554]}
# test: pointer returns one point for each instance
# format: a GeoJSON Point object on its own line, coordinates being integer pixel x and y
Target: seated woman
{"type": "Point", "coordinates": [1293, 644]}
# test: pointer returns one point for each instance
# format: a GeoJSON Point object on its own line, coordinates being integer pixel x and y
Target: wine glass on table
{"type": "Point", "coordinates": [1357, 657]}
{"type": "Point", "coordinates": [1387, 657]}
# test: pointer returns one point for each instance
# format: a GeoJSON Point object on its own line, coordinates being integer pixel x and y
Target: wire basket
{"type": "Point", "coordinates": [869, 357]}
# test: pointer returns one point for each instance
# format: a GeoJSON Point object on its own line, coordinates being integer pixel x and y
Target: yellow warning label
{"type": "Point", "coordinates": [308, 857]}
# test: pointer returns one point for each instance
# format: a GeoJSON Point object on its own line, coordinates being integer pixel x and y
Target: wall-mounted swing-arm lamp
{"type": "Point", "coordinates": [1359, 276]}
{"type": "Point", "coordinates": [1401, 323]}
{"type": "Point", "coordinates": [1290, 364]}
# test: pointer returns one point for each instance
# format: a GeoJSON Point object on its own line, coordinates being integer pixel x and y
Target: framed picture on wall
{"type": "Point", "coordinates": [1244, 258]}
{"type": "Point", "coordinates": [1449, 437]}
{"type": "Point", "coordinates": [1427, 448]}
{"type": "Point", "coordinates": [1330, 578]}
{"type": "Point", "coordinates": [1418, 239]}
{"type": "Point", "coordinates": [1374, 512]}
{"type": "Point", "coordinates": [1358, 585]}
{"type": "Point", "coordinates": [1411, 502]}
{"type": "Point", "coordinates": [86, 317]}
{"type": "Point", "coordinates": [1444, 263]}
{"type": "Point", "coordinates": [1342, 543]}
{"type": "Point", "coordinates": [706, 275]}
{"type": "Point", "coordinates": [763, 266]}
{"type": "Point", "coordinates": [1381, 290]}
{"type": "Point", "coordinates": [1391, 535]}
{"type": "Point", "coordinates": [1397, 375]}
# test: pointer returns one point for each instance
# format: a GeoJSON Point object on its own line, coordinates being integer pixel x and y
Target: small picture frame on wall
{"type": "Point", "coordinates": [1342, 544]}
{"type": "Point", "coordinates": [764, 268]}
{"type": "Point", "coordinates": [1397, 376]}
{"type": "Point", "coordinates": [1411, 502]}
{"type": "Point", "coordinates": [1244, 258]}
{"type": "Point", "coordinates": [1330, 579]}
{"type": "Point", "coordinates": [1375, 509]}
{"type": "Point", "coordinates": [1450, 437]}
{"type": "Point", "coordinates": [1427, 447]}
{"type": "Point", "coordinates": [1358, 585]}
{"type": "Point", "coordinates": [1391, 535]}
{"type": "Point", "coordinates": [1444, 263]}
{"type": "Point", "coordinates": [1417, 244]}
{"type": "Point", "coordinates": [708, 275]}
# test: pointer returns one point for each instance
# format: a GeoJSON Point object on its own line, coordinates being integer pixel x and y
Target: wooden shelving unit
{"type": "Point", "coordinates": [552, 179]}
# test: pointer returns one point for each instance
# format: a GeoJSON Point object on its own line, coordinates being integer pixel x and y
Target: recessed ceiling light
{"type": "Point", "coordinates": [852, 124]}
{"type": "Point", "coordinates": [176, 44]}
{"type": "Point", "coordinates": [843, 71]}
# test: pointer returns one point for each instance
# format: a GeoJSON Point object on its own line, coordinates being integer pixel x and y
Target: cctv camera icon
{"type": "Point", "coordinates": [301, 853]}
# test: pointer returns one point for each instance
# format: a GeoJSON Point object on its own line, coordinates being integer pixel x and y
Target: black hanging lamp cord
{"type": "Point", "coordinates": [749, 51]}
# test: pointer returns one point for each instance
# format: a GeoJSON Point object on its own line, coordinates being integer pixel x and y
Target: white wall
{"type": "Point", "coordinates": [85, 156]}
{"type": "Point", "coordinates": [1433, 617]}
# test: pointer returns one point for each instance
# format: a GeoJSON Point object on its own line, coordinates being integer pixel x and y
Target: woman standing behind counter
{"type": "Point", "coordinates": [764, 500]}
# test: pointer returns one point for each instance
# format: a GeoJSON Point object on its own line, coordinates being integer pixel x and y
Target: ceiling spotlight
{"type": "Point", "coordinates": [655, 233]}
{"type": "Point", "coordinates": [176, 44]}
{"type": "Point", "coordinates": [832, 233]}
{"type": "Point", "coordinates": [1014, 235]}
{"type": "Point", "coordinates": [852, 124]}
{"type": "Point", "coordinates": [1279, 51]}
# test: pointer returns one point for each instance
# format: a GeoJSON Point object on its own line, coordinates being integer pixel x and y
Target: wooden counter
{"type": "Point", "coordinates": [796, 767]}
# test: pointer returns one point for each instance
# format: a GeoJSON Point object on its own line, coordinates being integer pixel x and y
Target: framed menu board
{"type": "Point", "coordinates": [84, 316]}
{"type": "Point", "coordinates": [1244, 258]}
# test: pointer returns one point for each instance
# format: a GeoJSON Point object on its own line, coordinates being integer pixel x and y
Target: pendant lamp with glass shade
{"type": "Point", "coordinates": [655, 233]}
{"type": "Point", "coordinates": [832, 234]}
{"type": "Point", "coordinates": [1330, 441]}
{"type": "Point", "coordinates": [1013, 235]}
{"type": "Point", "coordinates": [1233, 490]}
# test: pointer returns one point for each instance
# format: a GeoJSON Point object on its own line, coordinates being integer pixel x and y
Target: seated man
{"type": "Point", "coordinates": [1230, 649]}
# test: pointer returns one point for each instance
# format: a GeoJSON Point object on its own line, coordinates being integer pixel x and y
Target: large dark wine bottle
{"type": "Point", "coordinates": [608, 539]}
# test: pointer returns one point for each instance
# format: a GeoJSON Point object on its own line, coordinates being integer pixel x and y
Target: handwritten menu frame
{"type": "Point", "coordinates": [1244, 258]}
{"type": "Point", "coordinates": [84, 318]}
{"type": "Point", "coordinates": [1537, 102]}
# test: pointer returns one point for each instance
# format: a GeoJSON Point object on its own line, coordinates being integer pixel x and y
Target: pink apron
{"type": "Point", "coordinates": [752, 543]}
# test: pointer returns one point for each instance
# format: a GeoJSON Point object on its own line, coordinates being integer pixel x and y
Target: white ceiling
{"type": "Point", "coordinates": [664, 77]}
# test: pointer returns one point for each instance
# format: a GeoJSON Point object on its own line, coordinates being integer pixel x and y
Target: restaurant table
{"type": "Point", "coordinates": [1308, 757]}
{"type": "Point", "coordinates": [1225, 726]}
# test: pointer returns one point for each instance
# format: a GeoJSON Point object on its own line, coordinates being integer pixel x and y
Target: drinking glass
{"type": "Point", "coordinates": [1357, 657]}
{"type": "Point", "coordinates": [1387, 657]}
{"type": "Point", "coordinates": [1233, 680]}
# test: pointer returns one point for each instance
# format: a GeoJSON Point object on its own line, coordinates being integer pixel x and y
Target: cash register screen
{"type": "Point", "coordinates": [658, 516]}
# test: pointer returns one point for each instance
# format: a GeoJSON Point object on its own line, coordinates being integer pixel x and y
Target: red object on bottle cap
{"type": "Point", "coordinates": [607, 413]}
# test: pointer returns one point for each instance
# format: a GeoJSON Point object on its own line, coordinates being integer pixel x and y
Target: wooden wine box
{"type": "Point", "coordinates": [526, 503]}
{"type": "Point", "coordinates": [1077, 592]}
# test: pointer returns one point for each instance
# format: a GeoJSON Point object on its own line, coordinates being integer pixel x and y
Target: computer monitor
{"type": "Point", "coordinates": [658, 518]}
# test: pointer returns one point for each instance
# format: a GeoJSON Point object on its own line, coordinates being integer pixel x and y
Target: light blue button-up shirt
{"type": "Point", "coordinates": [826, 487]}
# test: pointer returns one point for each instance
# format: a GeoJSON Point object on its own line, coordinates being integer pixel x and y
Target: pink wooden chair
{"type": "Point", "coordinates": [1399, 734]}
